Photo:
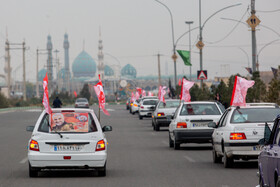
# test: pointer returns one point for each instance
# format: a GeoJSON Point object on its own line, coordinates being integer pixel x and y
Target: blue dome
{"type": "Point", "coordinates": [128, 71]}
{"type": "Point", "coordinates": [108, 71]}
{"type": "Point", "coordinates": [84, 65]}
{"type": "Point", "coordinates": [41, 75]}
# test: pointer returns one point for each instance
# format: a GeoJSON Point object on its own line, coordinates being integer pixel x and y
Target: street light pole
{"type": "Point", "coordinates": [174, 56]}
{"type": "Point", "coordinates": [189, 23]}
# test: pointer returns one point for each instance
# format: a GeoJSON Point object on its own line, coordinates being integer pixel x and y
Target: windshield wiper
{"type": "Point", "coordinates": [56, 131]}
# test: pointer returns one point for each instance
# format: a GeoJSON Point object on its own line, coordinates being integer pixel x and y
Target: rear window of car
{"type": "Point", "coordinates": [69, 122]}
{"type": "Point", "coordinates": [82, 100]}
{"type": "Point", "coordinates": [254, 115]}
{"type": "Point", "coordinates": [169, 104]}
{"type": "Point", "coordinates": [150, 102]}
{"type": "Point", "coordinates": [199, 109]}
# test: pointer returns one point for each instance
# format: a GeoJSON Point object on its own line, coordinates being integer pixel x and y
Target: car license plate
{"type": "Point", "coordinates": [200, 124]}
{"type": "Point", "coordinates": [256, 148]}
{"type": "Point", "coordinates": [67, 147]}
{"type": "Point", "coordinates": [149, 114]}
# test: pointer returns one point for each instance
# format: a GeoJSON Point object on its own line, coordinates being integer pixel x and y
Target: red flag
{"type": "Point", "coordinates": [98, 88]}
{"type": "Point", "coordinates": [137, 95]}
{"type": "Point", "coordinates": [179, 83]}
{"type": "Point", "coordinates": [75, 94]}
{"type": "Point", "coordinates": [161, 93]}
{"type": "Point", "coordinates": [239, 92]}
{"type": "Point", "coordinates": [132, 97]}
{"type": "Point", "coordinates": [139, 90]}
{"type": "Point", "coordinates": [46, 101]}
{"type": "Point", "coordinates": [150, 94]}
{"type": "Point", "coordinates": [185, 90]}
{"type": "Point", "coordinates": [143, 93]}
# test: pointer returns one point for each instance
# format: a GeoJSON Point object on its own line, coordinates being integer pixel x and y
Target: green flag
{"type": "Point", "coordinates": [185, 55]}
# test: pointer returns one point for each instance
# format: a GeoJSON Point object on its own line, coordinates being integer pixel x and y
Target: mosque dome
{"type": "Point", "coordinates": [128, 71]}
{"type": "Point", "coordinates": [41, 75]}
{"type": "Point", "coordinates": [84, 65]}
{"type": "Point", "coordinates": [108, 71]}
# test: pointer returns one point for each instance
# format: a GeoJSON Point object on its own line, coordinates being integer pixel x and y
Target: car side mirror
{"type": "Point", "coordinates": [212, 124]}
{"type": "Point", "coordinates": [267, 133]}
{"type": "Point", "coordinates": [107, 128]}
{"type": "Point", "coordinates": [30, 128]}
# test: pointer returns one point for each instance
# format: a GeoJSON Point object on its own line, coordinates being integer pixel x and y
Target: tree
{"type": "Point", "coordinates": [258, 92]}
{"type": "Point", "coordinates": [273, 91]}
{"type": "Point", "coordinates": [85, 92]}
{"type": "Point", "coordinates": [3, 101]}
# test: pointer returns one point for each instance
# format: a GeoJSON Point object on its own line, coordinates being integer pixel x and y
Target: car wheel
{"type": "Point", "coordinates": [133, 113]}
{"type": "Point", "coordinates": [176, 145]}
{"type": "Point", "coordinates": [33, 172]}
{"type": "Point", "coordinates": [228, 161]}
{"type": "Point", "coordinates": [102, 171]}
{"type": "Point", "coordinates": [157, 128]}
{"type": "Point", "coordinates": [216, 158]}
{"type": "Point", "coordinates": [171, 142]}
{"type": "Point", "coordinates": [140, 117]}
{"type": "Point", "coordinates": [130, 111]}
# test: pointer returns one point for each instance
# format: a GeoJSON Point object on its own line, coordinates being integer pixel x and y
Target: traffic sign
{"type": "Point", "coordinates": [200, 45]}
{"type": "Point", "coordinates": [253, 21]}
{"type": "Point", "coordinates": [202, 75]}
{"type": "Point", "coordinates": [174, 57]}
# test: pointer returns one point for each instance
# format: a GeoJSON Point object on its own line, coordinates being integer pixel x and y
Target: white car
{"type": "Point", "coordinates": [147, 106]}
{"type": "Point", "coordinates": [135, 106]}
{"type": "Point", "coordinates": [81, 103]}
{"type": "Point", "coordinates": [69, 138]}
{"type": "Point", "coordinates": [237, 133]}
{"type": "Point", "coordinates": [190, 123]}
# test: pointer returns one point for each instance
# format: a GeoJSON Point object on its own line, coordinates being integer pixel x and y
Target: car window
{"type": "Point", "coordinates": [224, 122]}
{"type": "Point", "coordinates": [199, 109]}
{"type": "Point", "coordinates": [150, 102]}
{"type": "Point", "coordinates": [220, 123]}
{"type": "Point", "coordinates": [82, 100]}
{"type": "Point", "coordinates": [254, 115]}
{"type": "Point", "coordinates": [169, 104]}
{"type": "Point", "coordinates": [92, 124]}
{"type": "Point", "coordinates": [176, 112]}
{"type": "Point", "coordinates": [222, 108]}
{"type": "Point", "coordinates": [44, 125]}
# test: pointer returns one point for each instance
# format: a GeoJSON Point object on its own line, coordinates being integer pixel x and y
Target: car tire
{"type": "Point", "coordinates": [171, 142]}
{"type": "Point", "coordinates": [33, 172]}
{"type": "Point", "coordinates": [228, 161]}
{"type": "Point", "coordinates": [140, 117]}
{"type": "Point", "coordinates": [157, 128]}
{"type": "Point", "coordinates": [133, 113]}
{"type": "Point", "coordinates": [216, 158]}
{"type": "Point", "coordinates": [176, 145]}
{"type": "Point", "coordinates": [102, 171]}
{"type": "Point", "coordinates": [278, 182]}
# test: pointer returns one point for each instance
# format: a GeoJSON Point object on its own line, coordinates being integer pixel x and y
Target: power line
{"type": "Point", "coordinates": [268, 11]}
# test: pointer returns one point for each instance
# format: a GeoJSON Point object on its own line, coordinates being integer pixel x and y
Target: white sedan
{"type": "Point", "coordinates": [190, 123]}
{"type": "Point", "coordinates": [67, 139]}
{"type": "Point", "coordinates": [237, 133]}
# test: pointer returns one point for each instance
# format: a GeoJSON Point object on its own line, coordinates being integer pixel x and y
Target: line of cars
{"type": "Point", "coordinates": [236, 133]}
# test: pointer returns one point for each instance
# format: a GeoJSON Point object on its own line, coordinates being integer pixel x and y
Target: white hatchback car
{"type": "Point", "coordinates": [190, 123]}
{"type": "Point", "coordinates": [237, 133]}
{"type": "Point", "coordinates": [67, 139]}
{"type": "Point", "coordinates": [135, 106]}
{"type": "Point", "coordinates": [147, 106]}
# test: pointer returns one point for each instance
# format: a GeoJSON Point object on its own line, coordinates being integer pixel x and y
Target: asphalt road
{"type": "Point", "coordinates": [137, 156]}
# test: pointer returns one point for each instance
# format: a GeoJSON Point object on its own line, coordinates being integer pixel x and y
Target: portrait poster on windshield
{"type": "Point", "coordinates": [69, 122]}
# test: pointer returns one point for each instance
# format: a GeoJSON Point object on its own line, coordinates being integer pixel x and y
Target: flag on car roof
{"type": "Point", "coordinates": [161, 93]}
{"type": "Point", "coordinates": [150, 93]}
{"type": "Point", "coordinates": [143, 93]}
{"type": "Point", "coordinates": [98, 88]}
{"type": "Point", "coordinates": [46, 101]}
{"type": "Point", "coordinates": [185, 90]}
{"type": "Point", "coordinates": [239, 92]}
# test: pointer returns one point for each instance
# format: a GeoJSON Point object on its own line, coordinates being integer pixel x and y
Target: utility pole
{"type": "Point", "coordinates": [254, 43]}
{"type": "Point", "coordinates": [8, 67]}
{"type": "Point", "coordinates": [190, 48]}
{"type": "Point", "coordinates": [24, 80]}
{"type": "Point", "coordinates": [159, 76]}
{"type": "Point", "coordinates": [200, 40]}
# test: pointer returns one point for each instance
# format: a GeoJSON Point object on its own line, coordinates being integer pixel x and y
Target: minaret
{"type": "Point", "coordinates": [100, 58]}
{"type": "Point", "coordinates": [66, 80]}
{"type": "Point", "coordinates": [50, 64]}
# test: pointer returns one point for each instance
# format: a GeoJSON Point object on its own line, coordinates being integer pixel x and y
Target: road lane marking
{"type": "Point", "coordinates": [189, 158]}
{"type": "Point", "coordinates": [153, 133]}
{"type": "Point", "coordinates": [23, 161]}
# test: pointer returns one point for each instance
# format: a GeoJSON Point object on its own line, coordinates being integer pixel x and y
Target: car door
{"type": "Point", "coordinates": [219, 132]}
{"type": "Point", "coordinates": [173, 121]}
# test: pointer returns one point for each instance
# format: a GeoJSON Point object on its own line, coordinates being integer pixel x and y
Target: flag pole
{"type": "Point", "coordinates": [99, 114]}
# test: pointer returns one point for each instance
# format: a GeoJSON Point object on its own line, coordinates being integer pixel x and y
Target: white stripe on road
{"type": "Point", "coordinates": [153, 133]}
{"type": "Point", "coordinates": [189, 158]}
{"type": "Point", "coordinates": [23, 161]}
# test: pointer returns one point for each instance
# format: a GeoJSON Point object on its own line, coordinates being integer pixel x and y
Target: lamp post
{"type": "Point", "coordinates": [200, 42]}
{"type": "Point", "coordinates": [37, 70]}
{"type": "Point", "coordinates": [189, 23]}
{"type": "Point", "coordinates": [174, 56]}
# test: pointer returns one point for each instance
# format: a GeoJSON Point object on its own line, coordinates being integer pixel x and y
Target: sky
{"type": "Point", "coordinates": [135, 31]}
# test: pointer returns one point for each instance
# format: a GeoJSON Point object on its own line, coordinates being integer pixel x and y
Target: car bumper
{"type": "Point", "coordinates": [48, 160]}
{"type": "Point", "coordinates": [163, 122]}
{"type": "Point", "coordinates": [249, 150]}
{"type": "Point", "coordinates": [193, 136]}
{"type": "Point", "coordinates": [145, 113]}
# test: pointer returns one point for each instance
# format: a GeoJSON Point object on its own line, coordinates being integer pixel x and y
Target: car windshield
{"type": "Point", "coordinates": [169, 104]}
{"type": "Point", "coordinates": [199, 109]}
{"type": "Point", "coordinates": [68, 122]}
{"type": "Point", "coordinates": [82, 100]}
{"type": "Point", "coordinates": [150, 102]}
{"type": "Point", "coordinates": [254, 115]}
